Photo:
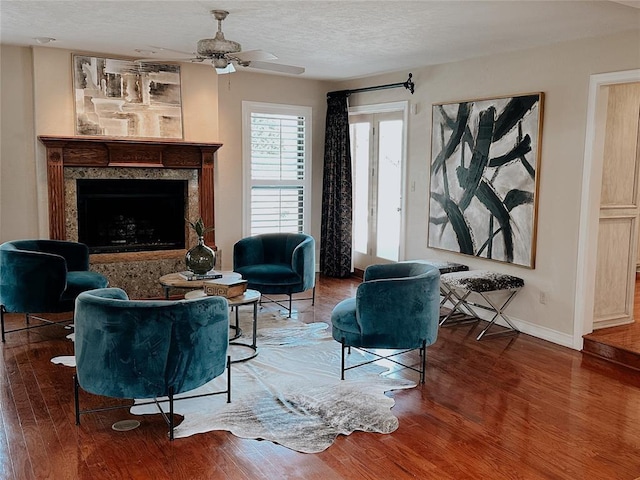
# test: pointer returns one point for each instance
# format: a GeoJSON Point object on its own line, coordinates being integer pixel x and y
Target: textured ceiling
{"type": "Point", "coordinates": [331, 39]}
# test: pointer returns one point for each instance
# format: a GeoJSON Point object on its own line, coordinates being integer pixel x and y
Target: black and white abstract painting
{"type": "Point", "coordinates": [124, 98]}
{"type": "Point", "coordinates": [485, 157]}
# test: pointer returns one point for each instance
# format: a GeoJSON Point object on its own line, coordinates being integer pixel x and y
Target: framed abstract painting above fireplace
{"type": "Point", "coordinates": [485, 160]}
{"type": "Point", "coordinates": [124, 98]}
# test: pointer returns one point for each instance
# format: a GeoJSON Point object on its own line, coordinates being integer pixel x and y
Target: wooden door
{"type": "Point", "coordinates": [619, 209]}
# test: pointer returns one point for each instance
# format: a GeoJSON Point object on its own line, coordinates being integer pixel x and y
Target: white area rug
{"type": "Point", "coordinates": [291, 393]}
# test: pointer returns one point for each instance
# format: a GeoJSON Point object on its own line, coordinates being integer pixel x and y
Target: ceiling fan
{"type": "Point", "coordinates": [225, 54]}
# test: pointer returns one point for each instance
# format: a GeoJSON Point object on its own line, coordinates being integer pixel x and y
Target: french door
{"type": "Point", "coordinates": [377, 155]}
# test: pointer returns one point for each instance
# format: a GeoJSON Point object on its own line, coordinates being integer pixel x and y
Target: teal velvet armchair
{"type": "Point", "coordinates": [277, 263]}
{"type": "Point", "coordinates": [43, 276]}
{"type": "Point", "coordinates": [147, 349]}
{"type": "Point", "coordinates": [396, 307]}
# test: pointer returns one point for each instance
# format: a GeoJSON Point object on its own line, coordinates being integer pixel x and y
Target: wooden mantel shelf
{"type": "Point", "coordinates": [131, 153]}
{"type": "Point", "coordinates": [121, 140]}
{"type": "Point", "coordinates": [126, 152]}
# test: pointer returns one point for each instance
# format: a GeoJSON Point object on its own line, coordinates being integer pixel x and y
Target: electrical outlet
{"type": "Point", "coordinates": [543, 297]}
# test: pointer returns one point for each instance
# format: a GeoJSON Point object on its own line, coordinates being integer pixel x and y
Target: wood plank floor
{"type": "Point", "coordinates": [503, 408]}
{"type": "Point", "coordinates": [618, 344]}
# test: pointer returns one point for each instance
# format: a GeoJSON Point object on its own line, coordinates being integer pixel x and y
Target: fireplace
{"type": "Point", "coordinates": [131, 215]}
{"type": "Point", "coordinates": [73, 160]}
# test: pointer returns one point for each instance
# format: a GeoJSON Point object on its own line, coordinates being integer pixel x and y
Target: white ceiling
{"type": "Point", "coordinates": [331, 39]}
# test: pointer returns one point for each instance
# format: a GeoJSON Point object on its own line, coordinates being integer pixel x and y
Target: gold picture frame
{"type": "Point", "coordinates": [485, 166]}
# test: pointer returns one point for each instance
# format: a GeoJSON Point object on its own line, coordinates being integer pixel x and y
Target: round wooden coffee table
{"type": "Point", "coordinates": [250, 297]}
{"type": "Point", "coordinates": [175, 280]}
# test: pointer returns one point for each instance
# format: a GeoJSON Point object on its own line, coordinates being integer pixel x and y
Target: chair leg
{"type": "Point", "coordinates": [342, 347]}
{"type": "Point", "coordinates": [313, 296]}
{"type": "Point", "coordinates": [76, 398]}
{"type": "Point", "coordinates": [171, 413]}
{"type": "Point", "coordinates": [228, 378]}
{"type": "Point", "coordinates": [42, 322]}
{"type": "Point", "coordinates": [290, 301]}
{"type": "Point", "coordinates": [2, 311]}
{"type": "Point", "coordinates": [420, 367]}
{"type": "Point", "coordinates": [423, 357]}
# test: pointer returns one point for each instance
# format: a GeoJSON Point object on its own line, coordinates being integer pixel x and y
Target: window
{"type": "Point", "coordinates": [276, 151]}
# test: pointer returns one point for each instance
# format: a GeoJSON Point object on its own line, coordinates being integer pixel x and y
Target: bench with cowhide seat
{"type": "Point", "coordinates": [446, 267]}
{"type": "Point", "coordinates": [460, 285]}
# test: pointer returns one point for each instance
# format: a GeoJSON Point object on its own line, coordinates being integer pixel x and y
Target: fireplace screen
{"type": "Point", "coordinates": [131, 215]}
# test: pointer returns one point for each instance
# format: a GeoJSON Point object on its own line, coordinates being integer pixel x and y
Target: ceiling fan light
{"type": "Point", "coordinates": [228, 69]}
{"type": "Point", "coordinates": [220, 62]}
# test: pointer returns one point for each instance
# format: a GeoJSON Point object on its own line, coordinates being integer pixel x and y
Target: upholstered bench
{"type": "Point", "coordinates": [481, 282]}
{"type": "Point", "coordinates": [447, 267]}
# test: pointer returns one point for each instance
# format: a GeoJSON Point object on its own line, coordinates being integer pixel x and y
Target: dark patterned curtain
{"type": "Point", "coordinates": [335, 246]}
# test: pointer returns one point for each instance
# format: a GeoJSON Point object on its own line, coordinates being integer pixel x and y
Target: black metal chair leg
{"type": "Point", "coordinates": [420, 367]}
{"type": "Point", "coordinates": [76, 398]}
{"type": "Point", "coordinates": [2, 310]}
{"type": "Point", "coordinates": [342, 347]}
{"type": "Point", "coordinates": [313, 296]}
{"type": "Point", "coordinates": [228, 378]}
{"type": "Point", "coordinates": [423, 355]}
{"type": "Point", "coordinates": [171, 413]}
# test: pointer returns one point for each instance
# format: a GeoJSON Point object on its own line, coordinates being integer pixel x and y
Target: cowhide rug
{"type": "Point", "coordinates": [291, 393]}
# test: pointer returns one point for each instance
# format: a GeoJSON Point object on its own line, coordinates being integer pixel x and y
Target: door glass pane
{"type": "Point", "coordinates": [360, 160]}
{"type": "Point", "coordinates": [389, 189]}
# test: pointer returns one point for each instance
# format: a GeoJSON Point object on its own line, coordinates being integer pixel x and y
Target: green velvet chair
{"type": "Point", "coordinates": [147, 349]}
{"type": "Point", "coordinates": [396, 307]}
{"type": "Point", "coordinates": [43, 276]}
{"type": "Point", "coordinates": [277, 263]}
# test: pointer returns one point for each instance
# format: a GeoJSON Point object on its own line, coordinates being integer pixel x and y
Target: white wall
{"type": "Point", "coordinates": [257, 87]}
{"type": "Point", "coordinates": [18, 196]}
{"type": "Point", "coordinates": [562, 73]}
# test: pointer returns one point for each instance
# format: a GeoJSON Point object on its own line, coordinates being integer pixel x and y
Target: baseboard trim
{"type": "Point", "coordinates": [538, 331]}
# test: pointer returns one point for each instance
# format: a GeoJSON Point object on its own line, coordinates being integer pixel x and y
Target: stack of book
{"type": "Point", "coordinates": [210, 275]}
{"type": "Point", "coordinates": [228, 287]}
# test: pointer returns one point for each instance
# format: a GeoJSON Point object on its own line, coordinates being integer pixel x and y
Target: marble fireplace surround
{"type": "Point", "coordinates": [71, 158]}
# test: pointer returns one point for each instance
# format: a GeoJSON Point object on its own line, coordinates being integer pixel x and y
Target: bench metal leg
{"type": "Point", "coordinates": [499, 312]}
{"type": "Point", "coordinates": [463, 307]}
{"type": "Point", "coordinates": [458, 304]}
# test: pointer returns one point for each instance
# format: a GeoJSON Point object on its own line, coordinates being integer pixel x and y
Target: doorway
{"type": "Point", "coordinates": [591, 195]}
{"type": "Point", "coordinates": [378, 139]}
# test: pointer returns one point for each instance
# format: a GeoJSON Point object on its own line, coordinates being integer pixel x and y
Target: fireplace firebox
{"type": "Point", "coordinates": [125, 215]}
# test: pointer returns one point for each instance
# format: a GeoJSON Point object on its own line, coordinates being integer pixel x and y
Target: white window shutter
{"type": "Point", "coordinates": [278, 170]}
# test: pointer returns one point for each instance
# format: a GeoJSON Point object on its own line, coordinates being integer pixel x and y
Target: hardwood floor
{"type": "Point", "coordinates": [502, 408]}
{"type": "Point", "coordinates": [618, 344]}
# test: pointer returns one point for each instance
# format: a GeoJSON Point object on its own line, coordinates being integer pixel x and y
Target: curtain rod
{"type": "Point", "coordinates": [409, 85]}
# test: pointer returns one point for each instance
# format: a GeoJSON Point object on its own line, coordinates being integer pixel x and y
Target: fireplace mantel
{"type": "Point", "coordinates": [131, 153]}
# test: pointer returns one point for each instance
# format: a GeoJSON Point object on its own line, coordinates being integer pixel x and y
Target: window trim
{"type": "Point", "coordinates": [276, 109]}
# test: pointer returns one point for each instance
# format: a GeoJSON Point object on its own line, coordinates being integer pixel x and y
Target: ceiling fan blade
{"type": "Point", "coordinates": [254, 55]}
{"type": "Point", "coordinates": [160, 61]}
{"type": "Point", "coordinates": [277, 67]}
{"type": "Point", "coordinates": [157, 49]}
